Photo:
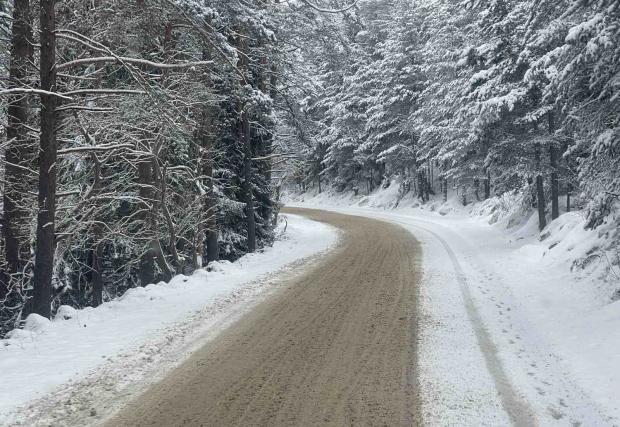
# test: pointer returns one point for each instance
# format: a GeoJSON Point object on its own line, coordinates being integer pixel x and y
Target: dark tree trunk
{"type": "Point", "coordinates": [555, 184]}
{"type": "Point", "coordinates": [431, 175]}
{"type": "Point", "coordinates": [97, 252]}
{"type": "Point", "coordinates": [247, 184]}
{"type": "Point", "coordinates": [445, 189]}
{"type": "Point", "coordinates": [487, 185]}
{"type": "Point", "coordinates": [267, 84]}
{"type": "Point", "coordinates": [19, 153]}
{"type": "Point", "coordinates": [569, 188]}
{"type": "Point", "coordinates": [210, 205]}
{"type": "Point", "coordinates": [248, 195]}
{"type": "Point", "coordinates": [420, 185]}
{"type": "Point", "coordinates": [145, 193]}
{"type": "Point", "coordinates": [97, 297]}
{"type": "Point", "coordinates": [46, 218]}
{"type": "Point", "coordinates": [540, 193]}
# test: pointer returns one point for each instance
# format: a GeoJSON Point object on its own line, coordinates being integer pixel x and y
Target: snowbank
{"type": "Point", "coordinates": [126, 336]}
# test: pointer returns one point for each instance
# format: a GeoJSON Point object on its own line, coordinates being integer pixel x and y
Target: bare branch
{"type": "Point", "coordinates": [133, 61]}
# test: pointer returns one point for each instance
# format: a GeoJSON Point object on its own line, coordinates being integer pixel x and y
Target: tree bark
{"type": "Point", "coordinates": [247, 161]}
{"type": "Point", "coordinates": [247, 183]}
{"type": "Point", "coordinates": [46, 218]}
{"type": "Point", "coordinates": [210, 201]}
{"type": "Point", "coordinates": [19, 152]}
{"type": "Point", "coordinates": [540, 192]}
{"type": "Point", "coordinates": [487, 185]}
{"type": "Point", "coordinates": [555, 185]}
{"type": "Point", "coordinates": [146, 273]}
{"type": "Point", "coordinates": [97, 253]}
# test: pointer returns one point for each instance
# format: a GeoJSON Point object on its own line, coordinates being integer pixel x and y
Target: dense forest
{"type": "Point", "coordinates": [477, 96]}
{"type": "Point", "coordinates": [137, 142]}
{"type": "Point", "coordinates": [142, 139]}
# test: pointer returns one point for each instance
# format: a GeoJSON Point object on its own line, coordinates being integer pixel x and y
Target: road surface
{"type": "Point", "coordinates": [334, 347]}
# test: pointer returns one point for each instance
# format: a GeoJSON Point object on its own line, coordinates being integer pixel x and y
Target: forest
{"type": "Point", "coordinates": [481, 96]}
{"type": "Point", "coordinates": [143, 139]}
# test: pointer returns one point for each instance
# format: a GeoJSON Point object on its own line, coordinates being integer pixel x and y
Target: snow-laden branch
{"type": "Point", "coordinates": [322, 10]}
{"type": "Point", "coordinates": [35, 91]}
{"type": "Point", "coordinates": [133, 61]}
{"type": "Point", "coordinates": [105, 92]}
{"type": "Point", "coordinates": [94, 148]}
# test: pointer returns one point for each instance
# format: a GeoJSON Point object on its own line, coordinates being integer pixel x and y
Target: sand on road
{"type": "Point", "coordinates": [336, 346]}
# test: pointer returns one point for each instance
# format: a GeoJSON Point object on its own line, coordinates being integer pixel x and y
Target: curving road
{"type": "Point", "coordinates": [334, 347]}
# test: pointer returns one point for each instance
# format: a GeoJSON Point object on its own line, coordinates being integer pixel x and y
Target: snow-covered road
{"type": "Point", "coordinates": [82, 363]}
{"type": "Point", "coordinates": [505, 338]}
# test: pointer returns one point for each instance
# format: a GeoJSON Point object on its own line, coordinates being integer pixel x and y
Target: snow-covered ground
{"type": "Point", "coordinates": [82, 363]}
{"type": "Point", "coordinates": [509, 332]}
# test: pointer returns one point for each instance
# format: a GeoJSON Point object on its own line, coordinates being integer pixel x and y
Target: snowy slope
{"type": "Point", "coordinates": [84, 361]}
{"type": "Point", "coordinates": [501, 311]}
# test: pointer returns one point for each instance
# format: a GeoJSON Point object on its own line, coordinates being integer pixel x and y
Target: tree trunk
{"type": "Point", "coordinates": [445, 189]}
{"type": "Point", "coordinates": [555, 185]}
{"type": "Point", "coordinates": [19, 152]}
{"type": "Point", "coordinates": [247, 183]}
{"type": "Point", "coordinates": [147, 265]}
{"type": "Point", "coordinates": [569, 188]}
{"type": "Point", "coordinates": [247, 161]}
{"type": "Point", "coordinates": [421, 185]}
{"type": "Point", "coordinates": [46, 218]}
{"type": "Point", "coordinates": [97, 297]}
{"type": "Point", "coordinates": [487, 185]}
{"type": "Point", "coordinates": [97, 252]}
{"type": "Point", "coordinates": [540, 193]}
{"type": "Point", "coordinates": [210, 205]}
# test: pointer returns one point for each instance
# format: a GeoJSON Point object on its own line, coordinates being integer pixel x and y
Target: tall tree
{"type": "Point", "coordinates": [48, 167]}
{"type": "Point", "coordinates": [20, 152]}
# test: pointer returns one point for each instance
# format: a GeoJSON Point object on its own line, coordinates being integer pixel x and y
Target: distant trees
{"type": "Point", "coordinates": [483, 96]}
{"type": "Point", "coordinates": [149, 130]}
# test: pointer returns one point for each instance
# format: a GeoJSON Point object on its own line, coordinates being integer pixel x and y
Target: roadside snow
{"type": "Point", "coordinates": [81, 362]}
{"type": "Point", "coordinates": [552, 329]}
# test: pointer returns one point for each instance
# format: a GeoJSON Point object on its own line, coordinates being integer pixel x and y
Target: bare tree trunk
{"type": "Point", "coordinates": [540, 192]}
{"type": "Point", "coordinates": [160, 178]}
{"type": "Point", "coordinates": [247, 184]}
{"type": "Point", "coordinates": [147, 265]}
{"type": "Point", "coordinates": [487, 185]}
{"type": "Point", "coordinates": [210, 203]}
{"type": "Point", "coordinates": [209, 209]}
{"type": "Point", "coordinates": [569, 188]}
{"type": "Point", "coordinates": [97, 253]}
{"type": "Point", "coordinates": [19, 153]}
{"type": "Point", "coordinates": [98, 267]}
{"type": "Point", "coordinates": [247, 162]}
{"type": "Point", "coordinates": [46, 219]}
{"type": "Point", "coordinates": [555, 184]}
{"type": "Point", "coordinates": [445, 189]}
